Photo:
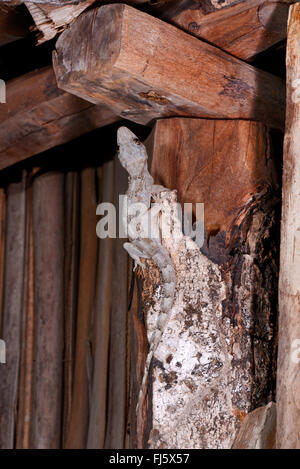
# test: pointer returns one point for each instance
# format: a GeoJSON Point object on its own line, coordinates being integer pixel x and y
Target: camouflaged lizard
{"type": "Point", "coordinates": [144, 230]}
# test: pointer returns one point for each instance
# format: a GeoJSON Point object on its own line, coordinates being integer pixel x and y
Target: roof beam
{"type": "Point", "coordinates": [38, 116]}
{"type": "Point", "coordinates": [243, 30]}
{"type": "Point", "coordinates": [144, 69]}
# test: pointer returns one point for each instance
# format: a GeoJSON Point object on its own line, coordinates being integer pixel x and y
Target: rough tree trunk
{"type": "Point", "coordinates": [215, 362]}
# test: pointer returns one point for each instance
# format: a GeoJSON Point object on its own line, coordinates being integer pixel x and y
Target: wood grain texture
{"type": "Point", "coordinates": [38, 116]}
{"type": "Point", "coordinates": [27, 344]}
{"type": "Point", "coordinates": [79, 416]}
{"type": "Point", "coordinates": [243, 30]}
{"type": "Point", "coordinates": [102, 311]}
{"type": "Point", "coordinates": [144, 68]}
{"type": "Point", "coordinates": [288, 375]}
{"type": "Point", "coordinates": [52, 18]}
{"type": "Point", "coordinates": [117, 380]}
{"type": "Point", "coordinates": [12, 310]}
{"type": "Point", "coordinates": [48, 235]}
{"type": "Point", "coordinates": [71, 229]}
{"type": "Point", "coordinates": [201, 159]}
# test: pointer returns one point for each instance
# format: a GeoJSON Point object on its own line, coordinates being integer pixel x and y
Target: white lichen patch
{"type": "Point", "coordinates": [198, 396]}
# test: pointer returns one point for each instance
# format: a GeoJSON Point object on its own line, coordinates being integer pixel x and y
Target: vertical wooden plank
{"type": "Point", "coordinates": [288, 375]}
{"type": "Point", "coordinates": [116, 411]}
{"type": "Point", "coordinates": [102, 307]}
{"type": "Point", "coordinates": [27, 345]}
{"type": "Point", "coordinates": [48, 232]}
{"type": "Point", "coordinates": [12, 309]}
{"type": "Point", "coordinates": [78, 426]}
{"type": "Point", "coordinates": [71, 289]}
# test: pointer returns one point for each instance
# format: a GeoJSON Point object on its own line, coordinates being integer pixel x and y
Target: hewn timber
{"type": "Point", "coordinates": [243, 30]}
{"type": "Point", "coordinates": [38, 116]}
{"type": "Point", "coordinates": [143, 68]}
{"type": "Point", "coordinates": [215, 362]}
{"type": "Point", "coordinates": [288, 376]}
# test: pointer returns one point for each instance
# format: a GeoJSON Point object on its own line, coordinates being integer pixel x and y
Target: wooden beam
{"type": "Point", "coordinates": [243, 30]}
{"type": "Point", "coordinates": [144, 69]}
{"type": "Point", "coordinates": [38, 116]}
{"type": "Point", "coordinates": [288, 375]}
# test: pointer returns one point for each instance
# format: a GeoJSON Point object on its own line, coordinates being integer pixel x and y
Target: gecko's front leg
{"type": "Point", "coordinates": [135, 253]}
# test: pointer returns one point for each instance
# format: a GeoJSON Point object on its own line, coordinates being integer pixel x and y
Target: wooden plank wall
{"type": "Point", "coordinates": [65, 327]}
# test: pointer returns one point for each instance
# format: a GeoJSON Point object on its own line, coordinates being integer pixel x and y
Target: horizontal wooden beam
{"type": "Point", "coordinates": [143, 69]}
{"type": "Point", "coordinates": [38, 116]}
{"type": "Point", "coordinates": [244, 30]}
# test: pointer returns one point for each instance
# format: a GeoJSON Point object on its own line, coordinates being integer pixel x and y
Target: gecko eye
{"type": "Point", "coordinates": [136, 140]}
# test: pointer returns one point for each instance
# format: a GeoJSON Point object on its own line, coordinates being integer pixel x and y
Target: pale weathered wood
{"type": "Point", "coordinates": [144, 68]}
{"type": "Point", "coordinates": [51, 18]}
{"type": "Point", "coordinates": [258, 430]}
{"type": "Point", "coordinates": [243, 30]}
{"type": "Point", "coordinates": [48, 236]}
{"type": "Point", "coordinates": [12, 310]}
{"type": "Point", "coordinates": [215, 360]}
{"type": "Point", "coordinates": [38, 116]}
{"type": "Point", "coordinates": [288, 375]}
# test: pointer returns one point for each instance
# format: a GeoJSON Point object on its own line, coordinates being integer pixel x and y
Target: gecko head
{"type": "Point", "coordinates": [132, 153]}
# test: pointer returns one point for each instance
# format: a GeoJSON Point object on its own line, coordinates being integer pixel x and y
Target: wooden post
{"type": "Point", "coordinates": [288, 375]}
{"type": "Point", "coordinates": [215, 361]}
{"type": "Point", "coordinates": [143, 68]}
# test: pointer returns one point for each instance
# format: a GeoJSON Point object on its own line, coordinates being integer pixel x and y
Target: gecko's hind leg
{"type": "Point", "coordinates": [136, 254]}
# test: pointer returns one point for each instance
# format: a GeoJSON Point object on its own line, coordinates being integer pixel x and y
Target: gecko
{"type": "Point", "coordinates": [145, 243]}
